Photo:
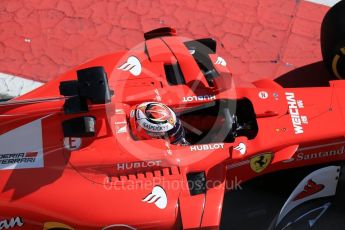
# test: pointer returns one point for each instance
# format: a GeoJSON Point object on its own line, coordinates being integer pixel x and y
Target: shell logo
{"type": "Point", "coordinates": [56, 225]}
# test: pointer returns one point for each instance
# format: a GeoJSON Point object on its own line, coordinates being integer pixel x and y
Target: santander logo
{"type": "Point", "coordinates": [158, 196]}
{"type": "Point", "coordinates": [310, 188]}
{"type": "Point", "coordinates": [132, 65]}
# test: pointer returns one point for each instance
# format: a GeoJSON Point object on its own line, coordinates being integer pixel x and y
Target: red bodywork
{"type": "Point", "coordinates": [102, 181]}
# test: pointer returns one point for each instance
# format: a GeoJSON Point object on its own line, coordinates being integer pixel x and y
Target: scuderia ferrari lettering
{"type": "Point", "coordinates": [296, 118]}
{"type": "Point", "coordinates": [199, 98]}
{"type": "Point", "coordinates": [12, 223]}
{"type": "Point", "coordinates": [137, 165]}
{"type": "Point", "coordinates": [206, 147]}
{"type": "Point", "coordinates": [22, 148]}
{"type": "Point", "coordinates": [18, 158]}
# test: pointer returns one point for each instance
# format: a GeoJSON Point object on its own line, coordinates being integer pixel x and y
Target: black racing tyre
{"type": "Point", "coordinates": [333, 40]}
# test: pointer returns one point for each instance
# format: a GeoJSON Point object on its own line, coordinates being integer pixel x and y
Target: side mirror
{"type": "Point", "coordinates": [92, 84]}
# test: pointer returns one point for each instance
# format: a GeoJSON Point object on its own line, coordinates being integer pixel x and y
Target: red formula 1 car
{"type": "Point", "coordinates": [72, 158]}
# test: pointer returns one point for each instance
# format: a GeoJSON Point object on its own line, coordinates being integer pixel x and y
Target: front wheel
{"type": "Point", "coordinates": [333, 40]}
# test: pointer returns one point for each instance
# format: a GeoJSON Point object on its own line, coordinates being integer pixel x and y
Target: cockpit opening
{"type": "Point", "coordinates": [219, 121]}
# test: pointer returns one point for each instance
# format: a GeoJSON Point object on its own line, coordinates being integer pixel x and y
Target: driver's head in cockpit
{"type": "Point", "coordinates": [153, 120]}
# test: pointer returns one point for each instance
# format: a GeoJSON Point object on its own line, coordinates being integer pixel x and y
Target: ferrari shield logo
{"type": "Point", "coordinates": [260, 162]}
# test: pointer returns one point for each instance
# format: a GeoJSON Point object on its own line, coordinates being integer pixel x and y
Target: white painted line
{"type": "Point", "coordinates": [14, 86]}
{"type": "Point", "coordinates": [329, 3]}
{"type": "Point", "coordinates": [321, 146]}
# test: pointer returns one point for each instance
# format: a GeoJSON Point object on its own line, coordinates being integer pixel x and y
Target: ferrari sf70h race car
{"type": "Point", "coordinates": [72, 156]}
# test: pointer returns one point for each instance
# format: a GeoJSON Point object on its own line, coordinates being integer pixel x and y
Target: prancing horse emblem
{"type": "Point", "coordinates": [260, 162]}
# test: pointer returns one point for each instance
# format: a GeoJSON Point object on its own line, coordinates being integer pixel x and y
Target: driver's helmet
{"type": "Point", "coordinates": [155, 120]}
